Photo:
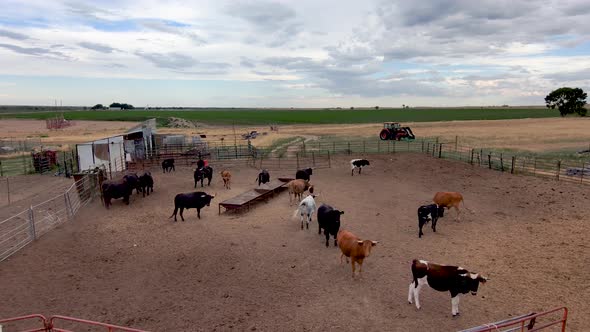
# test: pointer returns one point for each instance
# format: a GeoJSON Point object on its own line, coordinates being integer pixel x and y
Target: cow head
{"type": "Point", "coordinates": [309, 171]}
{"type": "Point", "coordinates": [336, 215]}
{"type": "Point", "coordinates": [469, 282]}
{"type": "Point", "coordinates": [367, 245]}
{"type": "Point", "coordinates": [441, 211]}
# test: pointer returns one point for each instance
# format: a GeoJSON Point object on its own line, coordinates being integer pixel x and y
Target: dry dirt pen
{"type": "Point", "coordinates": [257, 270]}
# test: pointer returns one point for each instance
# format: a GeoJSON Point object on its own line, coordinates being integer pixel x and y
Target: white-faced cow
{"type": "Point", "coordinates": [358, 164]}
{"type": "Point", "coordinates": [443, 278]}
{"type": "Point", "coordinates": [263, 177]}
{"type": "Point", "coordinates": [146, 182]}
{"type": "Point", "coordinates": [202, 174]}
{"type": "Point", "coordinates": [304, 174]}
{"type": "Point", "coordinates": [428, 213]}
{"type": "Point", "coordinates": [306, 207]}
{"type": "Point", "coordinates": [355, 248]}
{"type": "Point", "coordinates": [196, 200]}
{"type": "Point", "coordinates": [168, 165]}
{"type": "Point", "coordinates": [329, 221]}
{"type": "Point", "coordinates": [449, 200]}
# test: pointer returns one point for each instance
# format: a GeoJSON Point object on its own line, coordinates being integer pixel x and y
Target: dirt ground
{"type": "Point", "coordinates": [257, 270]}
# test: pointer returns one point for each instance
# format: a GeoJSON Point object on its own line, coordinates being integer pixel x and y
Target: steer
{"type": "Point", "coordinates": [306, 207]}
{"type": "Point", "coordinates": [297, 187]}
{"type": "Point", "coordinates": [358, 164]}
{"type": "Point", "coordinates": [442, 278]}
{"type": "Point", "coordinates": [113, 189]}
{"type": "Point", "coordinates": [202, 173]}
{"type": "Point", "coordinates": [168, 165]}
{"type": "Point", "coordinates": [449, 200]}
{"type": "Point", "coordinates": [146, 182]}
{"type": "Point", "coordinates": [304, 174]}
{"type": "Point", "coordinates": [263, 177]}
{"type": "Point", "coordinates": [427, 213]}
{"type": "Point", "coordinates": [226, 177]}
{"type": "Point", "coordinates": [196, 200]}
{"type": "Point", "coordinates": [355, 248]}
{"type": "Point", "coordinates": [133, 181]}
{"type": "Point", "coordinates": [329, 220]}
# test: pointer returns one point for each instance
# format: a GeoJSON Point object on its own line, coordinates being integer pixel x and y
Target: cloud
{"type": "Point", "coordinates": [97, 47]}
{"type": "Point", "coordinates": [13, 35]}
{"type": "Point", "coordinates": [168, 60]}
{"type": "Point", "coordinates": [35, 51]}
{"type": "Point", "coordinates": [174, 28]}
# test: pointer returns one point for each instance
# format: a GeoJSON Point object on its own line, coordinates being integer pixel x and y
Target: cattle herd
{"type": "Point", "coordinates": [453, 279]}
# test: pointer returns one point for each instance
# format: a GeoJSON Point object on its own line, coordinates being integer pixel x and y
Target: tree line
{"type": "Point", "coordinates": [113, 105]}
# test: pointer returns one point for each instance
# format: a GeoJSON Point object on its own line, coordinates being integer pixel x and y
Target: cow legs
{"type": "Point", "coordinates": [327, 238]}
{"type": "Point", "coordinates": [181, 216]}
{"type": "Point", "coordinates": [421, 223]}
{"type": "Point", "coordinates": [301, 220]}
{"type": "Point", "coordinates": [417, 286]}
{"type": "Point", "coordinates": [455, 305]}
{"type": "Point", "coordinates": [434, 220]}
{"type": "Point", "coordinates": [458, 213]}
{"type": "Point", "coordinates": [352, 263]}
{"type": "Point", "coordinates": [199, 213]}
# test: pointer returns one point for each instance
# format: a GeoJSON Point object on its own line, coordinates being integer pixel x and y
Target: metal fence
{"type": "Point", "coordinates": [26, 226]}
{"type": "Point", "coordinates": [66, 163]}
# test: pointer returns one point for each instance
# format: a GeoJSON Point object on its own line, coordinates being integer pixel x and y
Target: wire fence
{"type": "Point", "coordinates": [61, 163]}
{"type": "Point", "coordinates": [23, 228]}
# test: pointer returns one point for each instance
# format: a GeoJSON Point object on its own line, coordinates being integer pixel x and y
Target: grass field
{"type": "Point", "coordinates": [266, 116]}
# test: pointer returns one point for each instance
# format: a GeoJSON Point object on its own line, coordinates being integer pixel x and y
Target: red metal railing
{"type": "Point", "coordinates": [49, 325]}
{"type": "Point", "coordinates": [523, 323]}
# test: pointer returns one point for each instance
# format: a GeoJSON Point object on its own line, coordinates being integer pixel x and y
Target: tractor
{"type": "Point", "coordinates": [393, 130]}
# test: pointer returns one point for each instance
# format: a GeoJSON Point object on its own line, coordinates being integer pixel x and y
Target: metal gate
{"type": "Point", "coordinates": [56, 323]}
{"type": "Point", "coordinates": [526, 322]}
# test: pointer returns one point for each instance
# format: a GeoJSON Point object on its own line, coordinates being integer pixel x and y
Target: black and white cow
{"type": "Point", "coordinates": [304, 174]}
{"type": "Point", "coordinates": [263, 177]}
{"type": "Point", "coordinates": [196, 200]}
{"type": "Point", "coordinates": [203, 173]}
{"type": "Point", "coordinates": [358, 164]}
{"type": "Point", "coordinates": [168, 165]}
{"type": "Point", "coordinates": [428, 213]}
{"type": "Point", "coordinates": [329, 220]}
{"type": "Point", "coordinates": [306, 209]}
{"type": "Point", "coordinates": [443, 278]}
{"type": "Point", "coordinates": [146, 182]}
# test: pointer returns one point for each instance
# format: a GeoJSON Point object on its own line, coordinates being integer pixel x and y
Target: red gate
{"type": "Point", "coordinates": [524, 322]}
{"type": "Point", "coordinates": [50, 325]}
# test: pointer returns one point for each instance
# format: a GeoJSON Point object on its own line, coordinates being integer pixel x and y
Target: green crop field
{"type": "Point", "coordinates": [266, 116]}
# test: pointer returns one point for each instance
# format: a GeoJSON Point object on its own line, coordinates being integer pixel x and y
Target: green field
{"type": "Point", "coordinates": [298, 116]}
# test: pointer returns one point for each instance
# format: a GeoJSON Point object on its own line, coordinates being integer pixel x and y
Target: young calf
{"type": "Point", "coordinates": [226, 176]}
{"type": "Point", "coordinates": [442, 278]}
{"type": "Point", "coordinates": [146, 182]}
{"type": "Point", "coordinates": [168, 165]}
{"type": "Point", "coordinates": [306, 207]}
{"type": "Point", "coordinates": [329, 220]}
{"type": "Point", "coordinates": [427, 213]}
{"type": "Point", "coordinates": [298, 187]}
{"type": "Point", "coordinates": [355, 248]}
{"type": "Point", "coordinates": [358, 164]}
{"type": "Point", "coordinates": [263, 177]}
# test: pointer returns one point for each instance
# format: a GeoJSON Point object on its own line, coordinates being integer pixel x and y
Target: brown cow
{"type": "Point", "coordinates": [355, 248]}
{"type": "Point", "coordinates": [449, 200]}
{"type": "Point", "coordinates": [226, 176]}
{"type": "Point", "coordinates": [298, 187]}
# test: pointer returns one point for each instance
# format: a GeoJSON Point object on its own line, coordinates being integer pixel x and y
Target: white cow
{"type": "Point", "coordinates": [306, 207]}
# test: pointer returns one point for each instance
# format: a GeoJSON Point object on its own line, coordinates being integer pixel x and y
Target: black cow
{"type": "Point", "coordinates": [113, 189]}
{"type": "Point", "coordinates": [202, 173]}
{"type": "Point", "coordinates": [329, 220]}
{"type": "Point", "coordinates": [304, 174]}
{"type": "Point", "coordinates": [196, 200]}
{"type": "Point", "coordinates": [263, 177]}
{"type": "Point", "coordinates": [200, 163]}
{"type": "Point", "coordinates": [133, 181]}
{"type": "Point", "coordinates": [443, 278]}
{"type": "Point", "coordinates": [146, 182]}
{"type": "Point", "coordinates": [358, 164]}
{"type": "Point", "coordinates": [427, 213]}
{"type": "Point", "coordinates": [168, 165]}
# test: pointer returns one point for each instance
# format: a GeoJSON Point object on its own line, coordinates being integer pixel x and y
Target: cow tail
{"type": "Point", "coordinates": [174, 213]}
{"type": "Point", "coordinates": [296, 213]}
{"type": "Point", "coordinates": [415, 280]}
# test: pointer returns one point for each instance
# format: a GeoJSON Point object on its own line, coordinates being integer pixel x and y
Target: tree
{"type": "Point", "coordinates": [97, 107]}
{"type": "Point", "coordinates": [568, 101]}
{"type": "Point", "coordinates": [115, 105]}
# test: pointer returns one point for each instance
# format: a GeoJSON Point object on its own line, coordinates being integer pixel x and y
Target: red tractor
{"type": "Point", "coordinates": [393, 130]}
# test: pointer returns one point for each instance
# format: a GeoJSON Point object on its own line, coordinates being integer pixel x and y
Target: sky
{"type": "Point", "coordinates": [304, 53]}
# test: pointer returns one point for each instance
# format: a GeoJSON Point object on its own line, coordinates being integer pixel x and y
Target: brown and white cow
{"type": "Point", "coordinates": [226, 176]}
{"type": "Point", "coordinates": [297, 187]}
{"type": "Point", "coordinates": [355, 248]}
{"type": "Point", "coordinates": [449, 200]}
{"type": "Point", "coordinates": [442, 278]}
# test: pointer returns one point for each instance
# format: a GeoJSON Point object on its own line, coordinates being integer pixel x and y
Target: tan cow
{"type": "Point", "coordinates": [226, 176]}
{"type": "Point", "coordinates": [355, 248]}
{"type": "Point", "coordinates": [449, 199]}
{"type": "Point", "coordinates": [298, 187]}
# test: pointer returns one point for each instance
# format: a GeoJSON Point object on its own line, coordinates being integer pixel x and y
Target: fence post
{"type": "Point", "coordinates": [471, 160]}
{"type": "Point", "coordinates": [32, 223]}
{"type": "Point", "coordinates": [1, 170]}
{"type": "Point", "coordinates": [261, 157]}
{"type": "Point", "coordinates": [512, 167]}
{"type": "Point", "coordinates": [313, 158]}
{"type": "Point", "coordinates": [456, 142]}
{"type": "Point", "coordinates": [558, 168]}
{"type": "Point", "coordinates": [304, 152]}
{"type": "Point", "coordinates": [68, 207]}
{"type": "Point", "coordinates": [489, 161]}
{"type": "Point", "coordinates": [110, 171]}
{"type": "Point", "coordinates": [364, 147]}
{"type": "Point", "coordinates": [329, 162]}
{"type": "Point", "coordinates": [8, 189]}
{"type": "Point", "coordinates": [334, 147]}
{"type": "Point", "coordinates": [422, 146]}
{"type": "Point", "coordinates": [534, 166]}
{"type": "Point", "coordinates": [501, 162]}
{"type": "Point", "coordinates": [349, 152]}
{"type": "Point", "coordinates": [440, 150]}
{"type": "Point", "coordinates": [297, 154]}
{"type": "Point", "coordinates": [581, 177]}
